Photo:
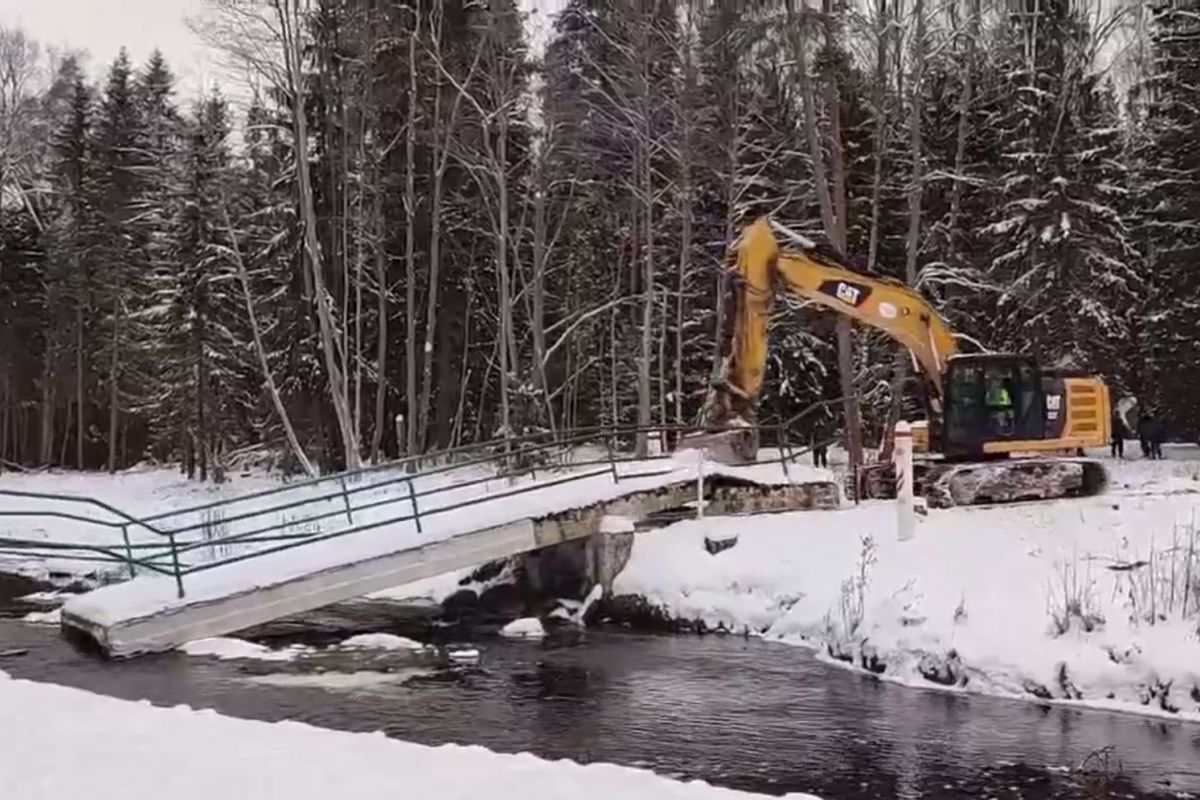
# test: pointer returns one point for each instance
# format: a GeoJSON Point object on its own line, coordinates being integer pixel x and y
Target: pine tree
{"type": "Point", "coordinates": [121, 255]}
{"type": "Point", "coordinates": [207, 396]}
{"type": "Point", "coordinates": [1061, 250]}
{"type": "Point", "coordinates": [1167, 103]}
{"type": "Point", "coordinates": [72, 236]}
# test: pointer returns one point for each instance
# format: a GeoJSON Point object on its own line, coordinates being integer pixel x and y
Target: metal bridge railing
{"type": "Point", "coordinates": [204, 537]}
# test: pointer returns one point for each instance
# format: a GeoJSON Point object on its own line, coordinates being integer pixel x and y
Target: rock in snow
{"type": "Point", "coordinates": [52, 617]}
{"type": "Point", "coordinates": [118, 750]}
{"type": "Point", "coordinates": [527, 628]}
{"type": "Point", "coordinates": [466, 656]}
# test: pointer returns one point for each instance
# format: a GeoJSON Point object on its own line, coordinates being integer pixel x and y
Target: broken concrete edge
{"type": "Point", "coordinates": [165, 629]}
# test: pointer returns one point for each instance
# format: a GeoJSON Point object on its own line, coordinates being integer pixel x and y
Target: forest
{"type": "Point", "coordinates": [428, 226]}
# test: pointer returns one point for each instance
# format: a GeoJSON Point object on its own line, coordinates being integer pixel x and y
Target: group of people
{"type": "Point", "coordinates": [1151, 432]}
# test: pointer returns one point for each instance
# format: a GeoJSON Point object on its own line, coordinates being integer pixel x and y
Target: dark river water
{"type": "Point", "coordinates": [739, 713]}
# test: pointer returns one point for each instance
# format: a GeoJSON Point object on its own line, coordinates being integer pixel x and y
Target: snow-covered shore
{"type": "Point", "coordinates": [1048, 600]}
{"type": "Point", "coordinates": [58, 742]}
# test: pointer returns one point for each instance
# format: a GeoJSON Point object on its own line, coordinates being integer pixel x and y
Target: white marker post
{"type": "Point", "coordinates": [700, 485]}
{"type": "Point", "coordinates": [906, 520]}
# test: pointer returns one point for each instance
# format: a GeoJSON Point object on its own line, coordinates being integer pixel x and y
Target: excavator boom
{"type": "Point", "coordinates": [886, 305]}
{"type": "Point", "coordinates": [761, 270]}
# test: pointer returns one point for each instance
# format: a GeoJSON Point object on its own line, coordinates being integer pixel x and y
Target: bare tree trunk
{"type": "Point", "coordinates": [464, 369]}
{"type": "Point", "coordinates": [833, 102]}
{"type": "Point", "coordinates": [643, 417]}
{"type": "Point", "coordinates": [685, 252]}
{"type": "Point", "coordinates": [912, 242]}
{"type": "Point", "coordinates": [114, 394]}
{"type": "Point", "coordinates": [881, 119]}
{"type": "Point", "coordinates": [79, 384]}
{"type": "Point", "coordinates": [540, 255]}
{"type": "Point", "coordinates": [410, 260]}
{"type": "Point", "coordinates": [833, 209]}
{"type": "Point", "coordinates": [46, 441]}
{"type": "Point", "coordinates": [613, 318]}
{"type": "Point", "coordinates": [5, 418]}
{"type": "Point", "coordinates": [440, 160]}
{"type": "Point", "coordinates": [732, 151]}
{"type": "Point", "coordinates": [664, 315]}
{"type": "Point", "coordinates": [201, 394]}
{"type": "Point", "coordinates": [261, 351]}
{"type": "Point", "coordinates": [687, 124]}
{"type": "Point", "coordinates": [508, 360]}
{"type": "Point", "coordinates": [290, 26]}
{"type": "Point", "coordinates": [381, 288]}
{"type": "Point", "coordinates": [360, 260]}
{"type": "Point", "coordinates": [964, 117]}
{"type": "Point", "coordinates": [646, 184]}
{"type": "Point", "coordinates": [916, 191]}
{"type": "Point", "coordinates": [66, 436]}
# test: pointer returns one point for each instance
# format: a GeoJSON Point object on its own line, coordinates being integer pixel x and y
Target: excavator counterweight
{"type": "Point", "coordinates": [1000, 428]}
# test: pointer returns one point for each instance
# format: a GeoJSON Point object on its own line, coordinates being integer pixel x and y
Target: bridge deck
{"type": "Point", "coordinates": [146, 614]}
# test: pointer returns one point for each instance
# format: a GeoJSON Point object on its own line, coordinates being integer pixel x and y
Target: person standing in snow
{"type": "Point", "coordinates": [1157, 435]}
{"type": "Point", "coordinates": [1143, 430]}
{"type": "Point", "coordinates": [820, 443]}
{"type": "Point", "coordinates": [1119, 432]}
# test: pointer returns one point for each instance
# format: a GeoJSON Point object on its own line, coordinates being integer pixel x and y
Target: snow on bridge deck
{"type": "Point", "coordinates": [146, 614]}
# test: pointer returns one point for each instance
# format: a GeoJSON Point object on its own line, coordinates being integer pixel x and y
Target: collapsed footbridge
{"type": "Point", "coordinates": [222, 567]}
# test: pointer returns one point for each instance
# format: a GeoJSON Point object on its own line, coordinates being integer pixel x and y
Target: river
{"type": "Point", "coordinates": [735, 712]}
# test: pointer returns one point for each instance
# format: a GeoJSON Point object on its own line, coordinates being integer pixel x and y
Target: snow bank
{"type": "Point", "coordinates": [380, 641]}
{"type": "Point", "coordinates": [527, 628]}
{"type": "Point", "coordinates": [234, 649]}
{"type": "Point", "coordinates": [117, 750]}
{"type": "Point", "coordinates": [615, 523]}
{"type": "Point", "coordinates": [51, 617]}
{"type": "Point", "coordinates": [230, 649]}
{"type": "Point", "coordinates": [1039, 599]}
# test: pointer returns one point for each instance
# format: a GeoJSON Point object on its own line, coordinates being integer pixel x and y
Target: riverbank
{"type": "Point", "coordinates": [59, 742]}
{"type": "Point", "coordinates": [1092, 601]}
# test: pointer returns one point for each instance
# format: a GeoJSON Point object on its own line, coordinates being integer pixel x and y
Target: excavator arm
{"type": "Point", "coordinates": [764, 269]}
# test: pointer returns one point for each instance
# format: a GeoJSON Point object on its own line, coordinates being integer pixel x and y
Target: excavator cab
{"type": "Point", "coordinates": [991, 398]}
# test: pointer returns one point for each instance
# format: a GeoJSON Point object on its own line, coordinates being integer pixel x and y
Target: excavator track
{"type": "Point", "coordinates": [949, 484]}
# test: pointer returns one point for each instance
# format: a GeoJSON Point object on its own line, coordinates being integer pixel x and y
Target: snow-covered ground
{"type": "Point", "coordinates": [1094, 599]}
{"type": "Point", "coordinates": [58, 742]}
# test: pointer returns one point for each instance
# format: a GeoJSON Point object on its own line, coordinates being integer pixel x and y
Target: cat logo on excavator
{"type": "Point", "coordinates": [847, 293]}
{"type": "Point", "coordinates": [852, 294]}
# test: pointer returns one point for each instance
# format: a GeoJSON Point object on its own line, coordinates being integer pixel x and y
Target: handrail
{"type": "Point", "coordinates": [576, 436]}
{"type": "Point", "coordinates": [66, 498]}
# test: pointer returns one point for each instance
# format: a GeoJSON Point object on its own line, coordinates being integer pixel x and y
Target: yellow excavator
{"type": "Point", "coordinates": [999, 427]}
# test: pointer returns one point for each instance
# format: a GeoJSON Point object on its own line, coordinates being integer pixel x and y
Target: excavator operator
{"type": "Point", "coordinates": [1000, 404]}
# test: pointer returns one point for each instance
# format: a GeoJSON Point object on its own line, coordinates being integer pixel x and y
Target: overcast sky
{"type": "Point", "coordinates": [103, 26]}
